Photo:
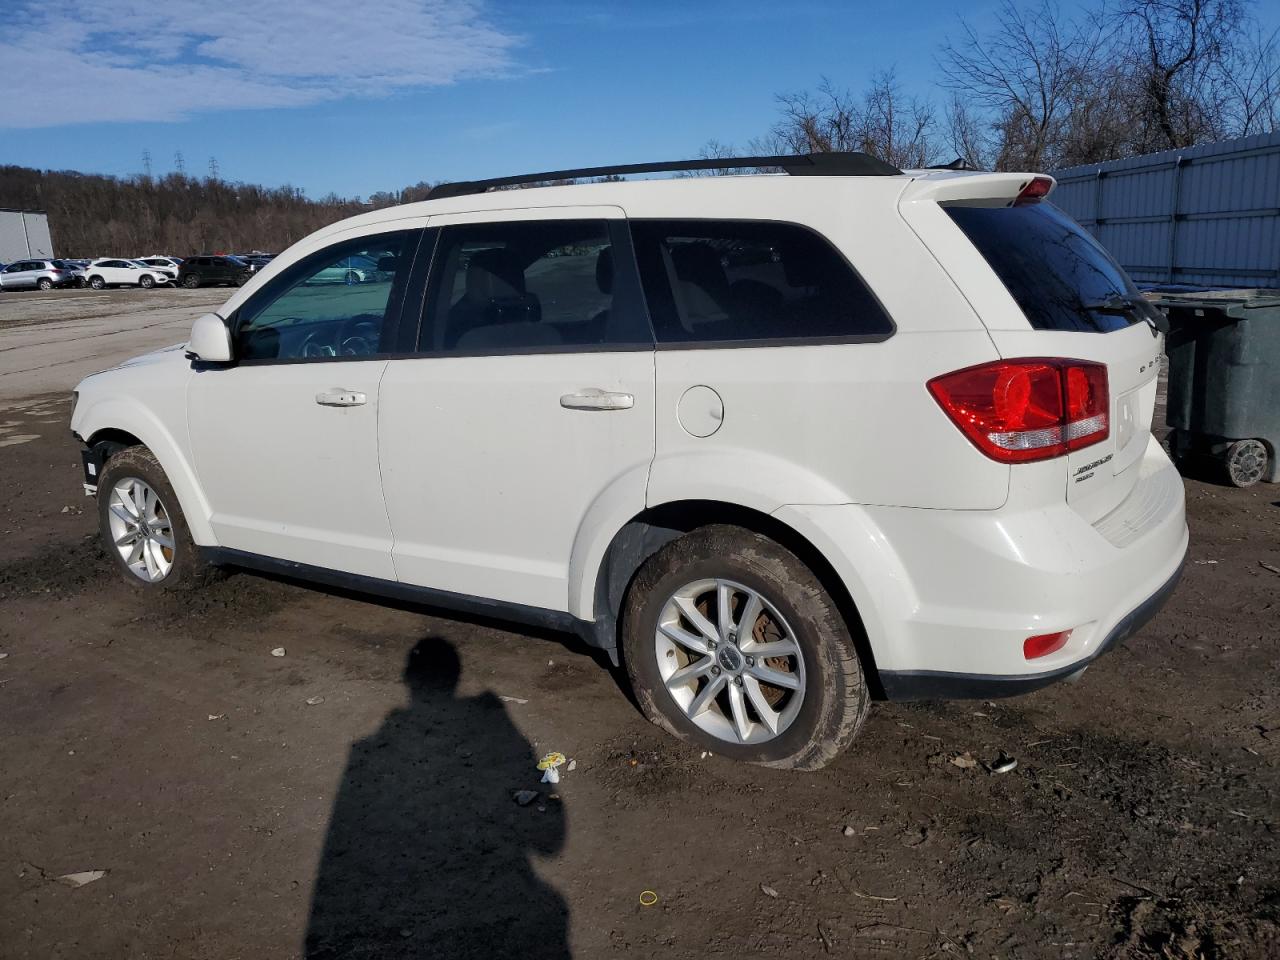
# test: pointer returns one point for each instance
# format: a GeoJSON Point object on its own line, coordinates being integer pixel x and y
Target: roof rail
{"type": "Point", "coordinates": [798, 165]}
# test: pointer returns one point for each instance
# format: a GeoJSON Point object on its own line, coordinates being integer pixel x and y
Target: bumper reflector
{"type": "Point", "coordinates": [1042, 646]}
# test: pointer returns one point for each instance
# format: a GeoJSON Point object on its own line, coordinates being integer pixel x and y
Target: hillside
{"type": "Point", "coordinates": [94, 215]}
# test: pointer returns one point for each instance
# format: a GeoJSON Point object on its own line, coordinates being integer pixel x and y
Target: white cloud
{"type": "Point", "coordinates": [140, 60]}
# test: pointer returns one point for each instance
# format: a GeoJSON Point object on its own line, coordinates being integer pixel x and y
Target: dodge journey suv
{"type": "Point", "coordinates": [779, 444]}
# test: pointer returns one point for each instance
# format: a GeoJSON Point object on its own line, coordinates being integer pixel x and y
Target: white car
{"type": "Point", "coordinates": [779, 444]}
{"type": "Point", "coordinates": [166, 265]}
{"type": "Point", "coordinates": [109, 272]}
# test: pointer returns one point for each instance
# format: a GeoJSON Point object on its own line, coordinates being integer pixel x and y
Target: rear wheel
{"type": "Point", "coordinates": [732, 644]}
{"type": "Point", "coordinates": [141, 524]}
{"type": "Point", "coordinates": [45, 283]}
{"type": "Point", "coordinates": [97, 283]}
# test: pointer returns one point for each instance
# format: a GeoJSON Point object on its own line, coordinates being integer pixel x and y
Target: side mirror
{"type": "Point", "coordinates": [210, 340]}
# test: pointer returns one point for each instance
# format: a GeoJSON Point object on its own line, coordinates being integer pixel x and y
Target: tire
{"type": "Point", "coordinates": [146, 281]}
{"type": "Point", "coordinates": [97, 283]}
{"type": "Point", "coordinates": [191, 281]}
{"type": "Point", "coordinates": [45, 283]}
{"type": "Point", "coordinates": [178, 566]}
{"type": "Point", "coordinates": [795, 614]}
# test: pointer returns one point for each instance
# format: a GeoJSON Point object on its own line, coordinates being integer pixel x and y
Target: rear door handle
{"type": "Point", "coordinates": [341, 398]}
{"type": "Point", "coordinates": [593, 398]}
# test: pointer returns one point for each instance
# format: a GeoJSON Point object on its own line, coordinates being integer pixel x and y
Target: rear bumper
{"type": "Point", "coordinates": [941, 685]}
{"type": "Point", "coordinates": [947, 597]}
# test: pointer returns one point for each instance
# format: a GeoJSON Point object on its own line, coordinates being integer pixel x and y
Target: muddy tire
{"type": "Point", "coordinates": [776, 683]}
{"type": "Point", "coordinates": [142, 527]}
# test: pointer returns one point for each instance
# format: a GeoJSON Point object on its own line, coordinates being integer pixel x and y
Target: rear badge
{"type": "Point", "coordinates": [1085, 472]}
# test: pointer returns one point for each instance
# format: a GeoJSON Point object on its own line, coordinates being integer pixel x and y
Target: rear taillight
{"type": "Point", "coordinates": [1036, 190]}
{"type": "Point", "coordinates": [1016, 411]}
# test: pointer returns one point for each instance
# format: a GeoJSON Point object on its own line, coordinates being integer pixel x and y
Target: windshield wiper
{"type": "Point", "coordinates": [1140, 307]}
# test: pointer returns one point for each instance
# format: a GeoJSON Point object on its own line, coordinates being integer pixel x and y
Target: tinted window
{"type": "Point", "coordinates": [1052, 267]}
{"type": "Point", "coordinates": [528, 285]}
{"type": "Point", "coordinates": [323, 307]}
{"type": "Point", "coordinates": [725, 280]}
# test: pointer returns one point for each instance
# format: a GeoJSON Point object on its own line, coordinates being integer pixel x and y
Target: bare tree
{"type": "Point", "coordinates": [1025, 74]}
{"type": "Point", "coordinates": [1177, 56]}
{"type": "Point", "coordinates": [882, 121]}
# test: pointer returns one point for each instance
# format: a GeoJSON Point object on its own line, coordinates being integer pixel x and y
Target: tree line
{"type": "Point", "coordinates": [95, 215]}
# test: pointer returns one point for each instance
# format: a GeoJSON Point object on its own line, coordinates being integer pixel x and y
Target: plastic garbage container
{"type": "Point", "coordinates": [1224, 380]}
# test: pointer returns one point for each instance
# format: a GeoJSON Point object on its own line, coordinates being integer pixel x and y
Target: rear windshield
{"type": "Point", "coordinates": [1058, 274]}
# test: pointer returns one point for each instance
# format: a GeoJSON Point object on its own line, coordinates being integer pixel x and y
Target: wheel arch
{"type": "Point", "coordinates": [117, 424]}
{"type": "Point", "coordinates": [649, 531]}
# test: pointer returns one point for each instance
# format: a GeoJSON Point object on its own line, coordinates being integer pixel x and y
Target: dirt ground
{"type": "Point", "coordinates": [353, 797]}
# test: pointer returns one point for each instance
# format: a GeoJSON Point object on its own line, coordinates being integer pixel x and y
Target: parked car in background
{"type": "Point", "coordinates": [170, 265]}
{"type": "Point", "coordinates": [210, 271]}
{"type": "Point", "coordinates": [37, 275]}
{"type": "Point", "coordinates": [347, 270]}
{"type": "Point", "coordinates": [123, 273]}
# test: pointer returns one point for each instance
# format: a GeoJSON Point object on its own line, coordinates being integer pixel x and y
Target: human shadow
{"type": "Point", "coordinates": [428, 854]}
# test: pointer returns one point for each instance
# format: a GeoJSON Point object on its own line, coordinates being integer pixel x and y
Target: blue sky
{"type": "Point", "coordinates": [329, 95]}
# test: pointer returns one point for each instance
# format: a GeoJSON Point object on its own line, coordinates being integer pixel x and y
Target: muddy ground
{"type": "Point", "coordinates": [352, 798]}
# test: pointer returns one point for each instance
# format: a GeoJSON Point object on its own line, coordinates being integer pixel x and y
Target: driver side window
{"type": "Point", "coordinates": [333, 304]}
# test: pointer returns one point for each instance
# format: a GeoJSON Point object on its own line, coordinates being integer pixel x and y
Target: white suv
{"type": "Point", "coordinates": [780, 444]}
{"type": "Point", "coordinates": [108, 272]}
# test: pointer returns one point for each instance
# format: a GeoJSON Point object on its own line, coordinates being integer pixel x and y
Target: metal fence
{"type": "Point", "coordinates": [24, 233]}
{"type": "Point", "coordinates": [1203, 216]}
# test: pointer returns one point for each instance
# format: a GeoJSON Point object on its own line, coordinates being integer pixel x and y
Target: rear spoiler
{"type": "Point", "coordinates": [982, 189]}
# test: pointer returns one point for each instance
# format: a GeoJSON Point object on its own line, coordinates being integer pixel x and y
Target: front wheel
{"type": "Point", "coordinates": [141, 524]}
{"type": "Point", "coordinates": [732, 644]}
{"type": "Point", "coordinates": [191, 281]}
{"type": "Point", "coordinates": [146, 282]}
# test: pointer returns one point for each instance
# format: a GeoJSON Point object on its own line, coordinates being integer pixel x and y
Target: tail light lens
{"type": "Point", "coordinates": [1017, 411]}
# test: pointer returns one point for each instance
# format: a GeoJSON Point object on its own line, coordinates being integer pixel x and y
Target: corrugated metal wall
{"type": "Point", "coordinates": [24, 234]}
{"type": "Point", "coordinates": [1206, 215]}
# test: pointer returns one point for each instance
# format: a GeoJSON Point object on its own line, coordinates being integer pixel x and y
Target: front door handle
{"type": "Point", "coordinates": [341, 398]}
{"type": "Point", "coordinates": [593, 398]}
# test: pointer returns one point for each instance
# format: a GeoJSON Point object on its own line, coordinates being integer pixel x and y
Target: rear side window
{"type": "Point", "coordinates": [1057, 273]}
{"type": "Point", "coordinates": [734, 280]}
{"type": "Point", "coordinates": [532, 286]}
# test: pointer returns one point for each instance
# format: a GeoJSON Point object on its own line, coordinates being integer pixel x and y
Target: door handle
{"type": "Point", "coordinates": [341, 398]}
{"type": "Point", "coordinates": [593, 398]}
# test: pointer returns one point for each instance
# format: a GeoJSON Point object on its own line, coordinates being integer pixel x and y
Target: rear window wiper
{"type": "Point", "coordinates": [1138, 307]}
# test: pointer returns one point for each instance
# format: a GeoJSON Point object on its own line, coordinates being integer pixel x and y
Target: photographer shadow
{"type": "Point", "coordinates": [427, 854]}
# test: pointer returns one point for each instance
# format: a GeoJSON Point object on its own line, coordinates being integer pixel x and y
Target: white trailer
{"type": "Point", "coordinates": [24, 233]}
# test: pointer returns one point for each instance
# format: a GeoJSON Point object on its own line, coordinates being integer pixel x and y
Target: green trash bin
{"type": "Point", "coordinates": [1224, 380]}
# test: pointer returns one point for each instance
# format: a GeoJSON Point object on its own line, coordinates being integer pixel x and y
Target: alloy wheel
{"type": "Point", "coordinates": [141, 529]}
{"type": "Point", "coordinates": [730, 661]}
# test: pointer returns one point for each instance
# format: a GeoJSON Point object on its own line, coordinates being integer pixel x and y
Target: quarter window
{"type": "Point", "coordinates": [338, 303]}
{"type": "Point", "coordinates": [731, 280]}
{"type": "Point", "coordinates": [531, 285]}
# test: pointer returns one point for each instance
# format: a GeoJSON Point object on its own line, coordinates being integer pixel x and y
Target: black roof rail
{"type": "Point", "coordinates": [798, 165]}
